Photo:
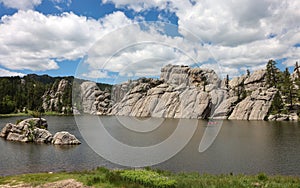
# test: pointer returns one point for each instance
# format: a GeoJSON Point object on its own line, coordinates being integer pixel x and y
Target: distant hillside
{"type": "Point", "coordinates": [180, 92]}
{"type": "Point", "coordinates": [29, 92]}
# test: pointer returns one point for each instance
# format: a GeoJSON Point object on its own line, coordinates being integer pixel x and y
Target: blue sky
{"type": "Point", "coordinates": [53, 36]}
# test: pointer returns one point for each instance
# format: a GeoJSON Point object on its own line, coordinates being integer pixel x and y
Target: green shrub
{"type": "Point", "coordinates": [93, 180]}
{"type": "Point", "coordinates": [36, 114]}
{"type": "Point", "coordinates": [18, 121]}
{"type": "Point", "coordinates": [148, 178]}
{"type": "Point", "coordinates": [262, 177]}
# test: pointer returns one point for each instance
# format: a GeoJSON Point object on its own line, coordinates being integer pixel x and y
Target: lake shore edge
{"type": "Point", "coordinates": [282, 117]}
{"type": "Point", "coordinates": [146, 177]}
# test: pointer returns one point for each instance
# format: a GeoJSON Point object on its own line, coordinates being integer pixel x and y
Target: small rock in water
{"type": "Point", "coordinates": [65, 138]}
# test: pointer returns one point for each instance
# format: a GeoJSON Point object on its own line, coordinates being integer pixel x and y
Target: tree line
{"type": "Point", "coordinates": [22, 94]}
{"type": "Point", "coordinates": [288, 97]}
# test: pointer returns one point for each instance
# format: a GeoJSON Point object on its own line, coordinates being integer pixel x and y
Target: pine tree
{"type": "Point", "coordinates": [297, 79]}
{"type": "Point", "coordinates": [272, 73]}
{"type": "Point", "coordinates": [227, 81]}
{"type": "Point", "coordinates": [277, 104]}
{"type": "Point", "coordinates": [287, 88]}
{"type": "Point", "coordinates": [297, 69]}
{"type": "Point", "coordinates": [248, 73]}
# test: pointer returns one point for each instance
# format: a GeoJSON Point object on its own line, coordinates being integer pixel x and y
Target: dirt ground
{"type": "Point", "coordinates": [69, 183]}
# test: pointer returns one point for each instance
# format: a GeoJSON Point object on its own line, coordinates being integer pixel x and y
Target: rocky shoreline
{"type": "Point", "coordinates": [35, 130]}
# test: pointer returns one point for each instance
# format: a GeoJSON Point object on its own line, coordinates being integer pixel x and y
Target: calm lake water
{"type": "Point", "coordinates": [247, 147]}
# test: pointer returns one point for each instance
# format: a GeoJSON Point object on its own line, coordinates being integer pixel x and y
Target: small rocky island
{"type": "Point", "coordinates": [35, 130]}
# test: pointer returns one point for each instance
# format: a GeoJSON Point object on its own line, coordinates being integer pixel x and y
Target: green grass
{"type": "Point", "coordinates": [14, 114]}
{"type": "Point", "coordinates": [30, 112]}
{"type": "Point", "coordinates": [102, 177]}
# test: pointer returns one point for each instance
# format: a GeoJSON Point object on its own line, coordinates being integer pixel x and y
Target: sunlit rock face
{"type": "Point", "coordinates": [184, 92]}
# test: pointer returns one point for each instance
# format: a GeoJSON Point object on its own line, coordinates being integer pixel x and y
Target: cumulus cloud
{"type": "Point", "coordinates": [142, 49]}
{"type": "Point", "coordinates": [4, 72]}
{"type": "Point", "coordinates": [239, 33]}
{"type": "Point", "coordinates": [21, 4]}
{"type": "Point", "coordinates": [33, 41]}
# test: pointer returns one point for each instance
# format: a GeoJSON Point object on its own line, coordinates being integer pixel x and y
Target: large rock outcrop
{"type": "Point", "coordinates": [256, 106]}
{"type": "Point", "coordinates": [181, 92]}
{"type": "Point", "coordinates": [35, 130]}
{"type": "Point", "coordinates": [53, 98]}
{"type": "Point", "coordinates": [184, 92]}
{"type": "Point", "coordinates": [94, 100]}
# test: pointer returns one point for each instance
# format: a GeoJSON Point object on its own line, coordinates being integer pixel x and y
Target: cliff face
{"type": "Point", "coordinates": [94, 100]}
{"type": "Point", "coordinates": [55, 98]}
{"type": "Point", "coordinates": [184, 92]}
{"type": "Point", "coordinates": [181, 92]}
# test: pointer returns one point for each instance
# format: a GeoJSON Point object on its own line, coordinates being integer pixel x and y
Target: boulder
{"type": "Point", "coordinates": [6, 130]}
{"type": "Point", "coordinates": [65, 138]}
{"type": "Point", "coordinates": [17, 137]}
{"type": "Point", "coordinates": [283, 117]}
{"type": "Point", "coordinates": [42, 136]}
{"type": "Point", "coordinates": [33, 122]}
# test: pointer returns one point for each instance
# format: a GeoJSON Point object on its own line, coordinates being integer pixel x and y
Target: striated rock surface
{"type": "Point", "coordinates": [64, 138]}
{"type": "Point", "coordinates": [184, 92]}
{"type": "Point", "coordinates": [181, 92]}
{"type": "Point", "coordinates": [28, 130]}
{"type": "Point", "coordinates": [53, 98]}
{"type": "Point", "coordinates": [94, 101]}
{"type": "Point", "coordinates": [34, 130]}
{"type": "Point", "coordinates": [256, 106]}
{"type": "Point", "coordinates": [225, 108]}
{"type": "Point", "coordinates": [255, 80]}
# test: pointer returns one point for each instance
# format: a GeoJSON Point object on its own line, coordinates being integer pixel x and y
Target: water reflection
{"type": "Point", "coordinates": [241, 147]}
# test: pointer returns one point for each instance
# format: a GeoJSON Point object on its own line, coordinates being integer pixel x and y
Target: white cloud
{"type": "Point", "coordinates": [139, 50]}
{"type": "Point", "coordinates": [31, 40]}
{"type": "Point", "coordinates": [238, 33]}
{"type": "Point", "coordinates": [96, 74]}
{"type": "Point", "coordinates": [21, 4]}
{"type": "Point", "coordinates": [67, 2]}
{"type": "Point", "coordinates": [4, 72]}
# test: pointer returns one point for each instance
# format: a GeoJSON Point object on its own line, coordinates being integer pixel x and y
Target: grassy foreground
{"type": "Point", "coordinates": [102, 177]}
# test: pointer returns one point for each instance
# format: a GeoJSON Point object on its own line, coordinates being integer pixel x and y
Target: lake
{"type": "Point", "coordinates": [247, 147]}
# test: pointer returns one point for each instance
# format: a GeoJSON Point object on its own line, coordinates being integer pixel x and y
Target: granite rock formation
{"type": "Point", "coordinates": [35, 130]}
{"type": "Point", "coordinates": [94, 100]}
{"type": "Point", "coordinates": [184, 92]}
{"type": "Point", "coordinates": [53, 98]}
